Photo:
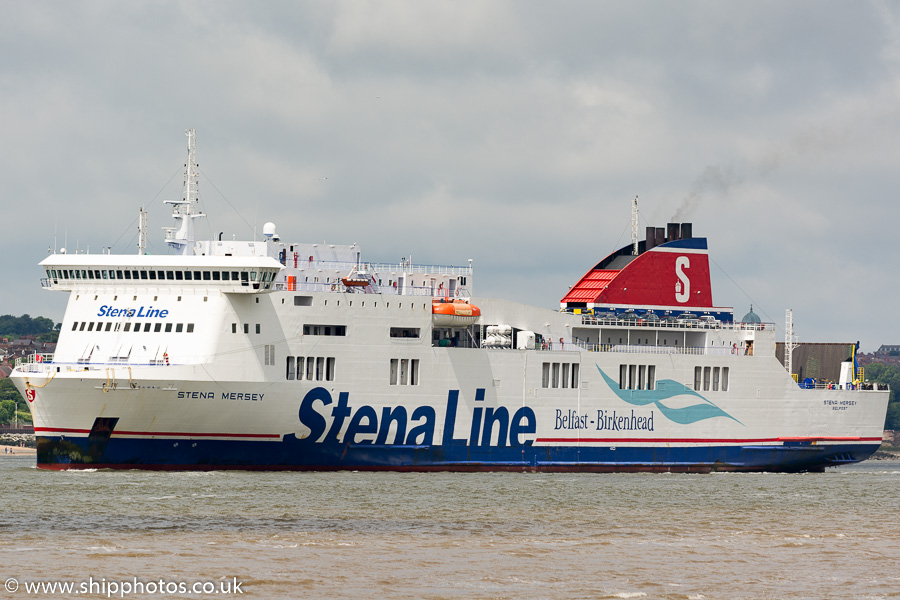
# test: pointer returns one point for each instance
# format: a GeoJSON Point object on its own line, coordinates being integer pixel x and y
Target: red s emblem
{"type": "Point", "coordinates": [30, 395]}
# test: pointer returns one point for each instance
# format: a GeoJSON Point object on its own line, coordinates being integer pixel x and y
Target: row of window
{"type": "Point", "coordinates": [646, 342]}
{"type": "Point", "coordinates": [243, 276]}
{"type": "Point", "coordinates": [559, 375]}
{"type": "Point", "coordinates": [711, 378]}
{"type": "Point", "coordinates": [637, 377]}
{"type": "Point", "coordinates": [308, 368]}
{"type": "Point", "coordinates": [136, 327]}
{"type": "Point", "coordinates": [340, 330]}
{"type": "Point", "coordinates": [362, 303]}
{"type": "Point", "coordinates": [234, 328]}
{"type": "Point", "coordinates": [404, 371]}
{"type": "Point", "coordinates": [405, 332]}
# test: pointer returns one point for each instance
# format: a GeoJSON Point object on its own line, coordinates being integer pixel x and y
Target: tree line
{"type": "Point", "coordinates": [8, 397]}
{"type": "Point", "coordinates": [889, 374]}
{"type": "Point", "coordinates": [25, 325]}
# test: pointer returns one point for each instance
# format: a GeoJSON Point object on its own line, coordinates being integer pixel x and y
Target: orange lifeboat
{"type": "Point", "coordinates": [355, 281]}
{"type": "Point", "coordinates": [457, 313]}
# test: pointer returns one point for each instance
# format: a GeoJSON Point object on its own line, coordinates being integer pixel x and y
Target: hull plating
{"type": "Point", "coordinates": [293, 454]}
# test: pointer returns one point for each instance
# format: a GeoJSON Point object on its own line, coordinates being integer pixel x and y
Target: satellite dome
{"type": "Point", "coordinates": [269, 229]}
{"type": "Point", "coordinates": [751, 317]}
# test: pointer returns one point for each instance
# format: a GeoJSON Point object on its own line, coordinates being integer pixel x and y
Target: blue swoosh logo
{"type": "Point", "coordinates": [665, 389]}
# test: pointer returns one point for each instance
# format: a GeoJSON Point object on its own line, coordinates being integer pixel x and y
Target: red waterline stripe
{"type": "Point", "coordinates": [60, 430]}
{"type": "Point", "coordinates": [267, 436]}
{"type": "Point", "coordinates": [161, 433]}
{"type": "Point", "coordinates": [707, 440]}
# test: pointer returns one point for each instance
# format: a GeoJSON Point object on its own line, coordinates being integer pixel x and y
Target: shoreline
{"type": "Point", "coordinates": [16, 451]}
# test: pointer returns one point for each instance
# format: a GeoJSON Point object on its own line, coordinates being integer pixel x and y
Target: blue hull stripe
{"type": "Point", "coordinates": [291, 454]}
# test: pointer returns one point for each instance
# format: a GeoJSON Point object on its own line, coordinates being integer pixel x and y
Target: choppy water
{"type": "Point", "coordinates": [452, 535]}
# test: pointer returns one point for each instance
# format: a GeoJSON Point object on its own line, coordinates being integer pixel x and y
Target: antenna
{"type": "Point", "coordinates": [634, 227]}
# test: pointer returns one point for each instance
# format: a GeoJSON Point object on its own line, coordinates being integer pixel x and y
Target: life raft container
{"type": "Point", "coordinates": [454, 314]}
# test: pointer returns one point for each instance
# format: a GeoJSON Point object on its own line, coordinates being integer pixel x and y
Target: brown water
{"type": "Point", "coordinates": [451, 535]}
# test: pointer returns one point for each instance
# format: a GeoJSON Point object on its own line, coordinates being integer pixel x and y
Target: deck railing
{"type": "Point", "coordinates": [591, 320]}
{"type": "Point", "coordinates": [345, 267]}
{"type": "Point", "coordinates": [45, 363]}
{"type": "Point", "coordinates": [384, 290]}
{"type": "Point", "coordinates": [653, 349]}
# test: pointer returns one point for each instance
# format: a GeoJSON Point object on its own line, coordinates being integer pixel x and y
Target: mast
{"type": "Point", "coordinates": [790, 341]}
{"type": "Point", "coordinates": [142, 232]}
{"type": "Point", "coordinates": [184, 211]}
{"type": "Point", "coordinates": [634, 226]}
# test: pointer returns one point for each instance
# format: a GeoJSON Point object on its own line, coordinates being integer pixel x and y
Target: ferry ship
{"type": "Point", "coordinates": [267, 354]}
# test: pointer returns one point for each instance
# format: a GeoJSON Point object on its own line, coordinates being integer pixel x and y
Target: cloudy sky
{"type": "Point", "coordinates": [512, 133]}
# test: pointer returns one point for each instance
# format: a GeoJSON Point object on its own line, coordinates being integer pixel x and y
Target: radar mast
{"type": "Point", "coordinates": [184, 211]}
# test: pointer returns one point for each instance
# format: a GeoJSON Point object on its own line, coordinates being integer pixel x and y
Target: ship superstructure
{"type": "Point", "coordinates": [267, 354]}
